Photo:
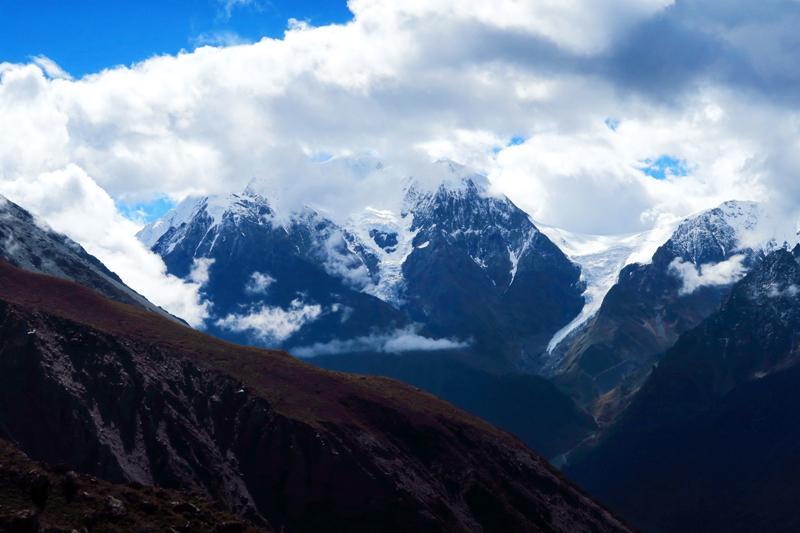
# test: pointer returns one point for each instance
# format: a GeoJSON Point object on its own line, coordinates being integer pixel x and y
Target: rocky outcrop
{"type": "Point", "coordinates": [708, 442]}
{"type": "Point", "coordinates": [125, 395]}
{"type": "Point", "coordinates": [29, 243]}
{"type": "Point", "coordinates": [42, 498]}
{"type": "Point", "coordinates": [652, 304]}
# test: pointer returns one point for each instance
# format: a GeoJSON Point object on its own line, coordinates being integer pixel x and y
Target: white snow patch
{"type": "Point", "coordinates": [391, 259]}
{"type": "Point", "coordinates": [176, 216]}
{"type": "Point", "coordinates": [423, 245]}
{"type": "Point", "coordinates": [601, 258]}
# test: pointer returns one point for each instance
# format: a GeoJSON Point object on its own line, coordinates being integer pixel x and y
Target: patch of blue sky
{"type": "Point", "coordinates": [85, 37]}
{"type": "Point", "coordinates": [321, 157]}
{"type": "Point", "coordinates": [664, 167]}
{"type": "Point", "coordinates": [612, 124]}
{"type": "Point", "coordinates": [147, 211]}
{"type": "Point", "coordinates": [515, 141]}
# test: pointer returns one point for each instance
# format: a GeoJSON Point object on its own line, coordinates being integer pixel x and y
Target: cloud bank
{"type": "Point", "coordinates": [561, 104]}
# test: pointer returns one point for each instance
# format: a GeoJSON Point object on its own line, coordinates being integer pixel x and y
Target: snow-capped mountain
{"type": "Point", "coordinates": [444, 265]}
{"type": "Point", "coordinates": [718, 418]}
{"type": "Point", "coordinates": [654, 301]}
{"type": "Point", "coordinates": [29, 243]}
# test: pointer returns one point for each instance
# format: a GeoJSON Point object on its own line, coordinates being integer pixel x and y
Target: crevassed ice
{"type": "Point", "coordinates": [391, 262]}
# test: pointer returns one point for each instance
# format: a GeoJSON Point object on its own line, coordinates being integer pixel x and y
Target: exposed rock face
{"type": "Point", "coordinates": [480, 269]}
{"type": "Point", "coordinates": [27, 242]}
{"type": "Point", "coordinates": [652, 305]}
{"type": "Point", "coordinates": [449, 261]}
{"type": "Point", "coordinates": [127, 395]}
{"type": "Point", "coordinates": [708, 441]}
{"type": "Point", "coordinates": [81, 502]}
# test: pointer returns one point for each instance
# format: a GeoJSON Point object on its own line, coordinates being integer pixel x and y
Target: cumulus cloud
{"type": "Point", "coordinates": [272, 323]}
{"type": "Point", "coordinates": [258, 283]}
{"type": "Point", "coordinates": [402, 340]}
{"type": "Point", "coordinates": [526, 92]}
{"type": "Point", "coordinates": [199, 271]}
{"type": "Point", "coordinates": [72, 203]}
{"type": "Point", "coordinates": [722, 273]}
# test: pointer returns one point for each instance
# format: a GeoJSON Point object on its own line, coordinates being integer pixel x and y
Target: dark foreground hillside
{"type": "Point", "coordinates": [126, 395]}
{"type": "Point", "coordinates": [53, 499]}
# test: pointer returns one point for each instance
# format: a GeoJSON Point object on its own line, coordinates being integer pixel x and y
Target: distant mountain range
{"type": "Point", "coordinates": [449, 267]}
{"type": "Point", "coordinates": [456, 269]}
{"type": "Point", "coordinates": [658, 369]}
{"type": "Point", "coordinates": [123, 393]}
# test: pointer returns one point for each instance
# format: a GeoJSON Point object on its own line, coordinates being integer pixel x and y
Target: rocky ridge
{"type": "Point", "coordinates": [126, 395]}
{"type": "Point", "coordinates": [653, 303]}
{"type": "Point", "coordinates": [710, 438]}
{"type": "Point", "coordinates": [29, 243]}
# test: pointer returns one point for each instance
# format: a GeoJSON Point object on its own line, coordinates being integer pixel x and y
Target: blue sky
{"type": "Point", "coordinates": [86, 36]}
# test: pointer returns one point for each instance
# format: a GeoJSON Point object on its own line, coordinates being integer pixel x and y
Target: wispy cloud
{"type": "Point", "coordinates": [51, 68]}
{"type": "Point", "coordinates": [258, 283]}
{"type": "Point", "coordinates": [229, 5]}
{"type": "Point", "coordinates": [722, 273]}
{"type": "Point", "coordinates": [272, 323]}
{"type": "Point", "coordinates": [399, 341]}
{"type": "Point", "coordinates": [219, 38]}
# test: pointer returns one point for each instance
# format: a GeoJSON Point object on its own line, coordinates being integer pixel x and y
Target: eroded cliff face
{"type": "Point", "coordinates": [126, 395]}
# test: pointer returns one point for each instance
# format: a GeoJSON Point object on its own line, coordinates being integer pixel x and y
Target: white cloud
{"type": "Point", "coordinates": [199, 270]}
{"type": "Point", "coordinates": [51, 68]}
{"type": "Point", "coordinates": [409, 82]}
{"type": "Point", "coordinates": [229, 5]}
{"type": "Point", "coordinates": [722, 273]}
{"type": "Point", "coordinates": [402, 340]}
{"type": "Point", "coordinates": [776, 291]}
{"type": "Point", "coordinates": [259, 283]}
{"type": "Point", "coordinates": [221, 38]}
{"type": "Point", "coordinates": [72, 203]}
{"type": "Point", "coordinates": [272, 323]}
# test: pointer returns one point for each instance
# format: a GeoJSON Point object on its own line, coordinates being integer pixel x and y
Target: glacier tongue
{"type": "Point", "coordinates": [601, 258]}
{"type": "Point", "coordinates": [747, 225]}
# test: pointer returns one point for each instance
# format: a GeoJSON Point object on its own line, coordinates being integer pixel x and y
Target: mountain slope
{"type": "Point", "coordinates": [652, 304]}
{"type": "Point", "coordinates": [29, 243]}
{"type": "Point", "coordinates": [711, 440]}
{"type": "Point", "coordinates": [41, 497]}
{"type": "Point", "coordinates": [525, 405]}
{"type": "Point", "coordinates": [128, 395]}
{"type": "Point", "coordinates": [448, 263]}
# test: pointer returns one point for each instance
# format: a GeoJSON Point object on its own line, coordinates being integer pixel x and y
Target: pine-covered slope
{"type": "Point", "coordinates": [710, 443]}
